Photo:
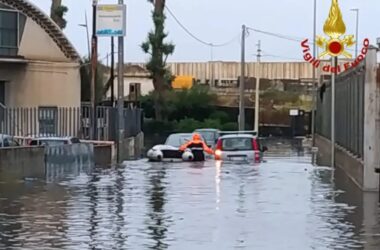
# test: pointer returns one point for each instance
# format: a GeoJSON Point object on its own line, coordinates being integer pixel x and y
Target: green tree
{"type": "Point", "coordinates": [85, 74]}
{"type": "Point", "coordinates": [159, 51]}
{"type": "Point", "coordinates": [57, 13]}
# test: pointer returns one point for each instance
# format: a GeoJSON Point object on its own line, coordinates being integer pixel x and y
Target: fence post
{"type": "Point", "coordinates": [371, 123]}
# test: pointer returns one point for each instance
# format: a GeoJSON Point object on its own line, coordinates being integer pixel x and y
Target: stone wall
{"type": "Point", "coordinates": [103, 155]}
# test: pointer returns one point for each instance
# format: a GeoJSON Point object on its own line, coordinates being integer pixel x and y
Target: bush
{"type": "Point", "coordinates": [179, 104]}
{"type": "Point", "coordinates": [221, 116]}
{"type": "Point", "coordinates": [231, 126]}
{"type": "Point", "coordinates": [158, 127]}
{"type": "Point", "coordinates": [187, 125]}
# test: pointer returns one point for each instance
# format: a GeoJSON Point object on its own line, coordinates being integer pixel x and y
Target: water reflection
{"type": "Point", "coordinates": [156, 217]}
{"type": "Point", "coordinates": [281, 204]}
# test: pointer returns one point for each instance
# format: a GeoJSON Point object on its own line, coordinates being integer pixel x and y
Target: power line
{"type": "Point", "coordinates": [286, 37]}
{"type": "Point", "coordinates": [195, 37]}
{"type": "Point", "coordinates": [290, 38]}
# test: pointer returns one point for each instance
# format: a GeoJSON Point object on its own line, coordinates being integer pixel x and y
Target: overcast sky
{"type": "Point", "coordinates": [218, 21]}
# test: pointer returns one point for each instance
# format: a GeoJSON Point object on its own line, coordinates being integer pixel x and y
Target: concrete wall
{"type": "Point", "coordinates": [41, 84]}
{"type": "Point", "coordinates": [350, 164]}
{"type": "Point", "coordinates": [20, 163]}
{"type": "Point", "coordinates": [134, 147]}
{"type": "Point", "coordinates": [103, 155]}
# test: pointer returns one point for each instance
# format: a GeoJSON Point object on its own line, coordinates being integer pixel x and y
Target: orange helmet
{"type": "Point", "coordinates": [197, 137]}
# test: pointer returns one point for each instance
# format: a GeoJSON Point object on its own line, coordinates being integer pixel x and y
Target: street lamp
{"type": "Point", "coordinates": [357, 30]}
{"type": "Point", "coordinates": [85, 25]}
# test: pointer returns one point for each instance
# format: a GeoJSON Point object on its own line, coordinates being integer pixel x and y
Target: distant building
{"type": "Point", "coordinates": [38, 65]}
{"type": "Point", "coordinates": [133, 74]}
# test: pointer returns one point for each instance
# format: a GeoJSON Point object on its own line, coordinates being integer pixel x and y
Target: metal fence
{"type": "Point", "coordinates": [349, 110]}
{"type": "Point", "coordinates": [63, 121]}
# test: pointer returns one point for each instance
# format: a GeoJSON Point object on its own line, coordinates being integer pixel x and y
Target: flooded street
{"type": "Point", "coordinates": [281, 204]}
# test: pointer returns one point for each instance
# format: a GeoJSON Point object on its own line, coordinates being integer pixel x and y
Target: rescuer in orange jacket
{"type": "Point", "coordinates": [196, 142]}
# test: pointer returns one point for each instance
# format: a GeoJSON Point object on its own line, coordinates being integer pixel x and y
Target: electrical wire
{"type": "Point", "coordinates": [286, 37]}
{"type": "Point", "coordinates": [290, 38]}
{"type": "Point", "coordinates": [195, 37]}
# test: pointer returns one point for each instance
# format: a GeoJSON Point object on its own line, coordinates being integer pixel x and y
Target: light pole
{"type": "Point", "coordinates": [257, 91]}
{"type": "Point", "coordinates": [85, 25]}
{"type": "Point", "coordinates": [94, 62]}
{"type": "Point", "coordinates": [242, 80]}
{"type": "Point", "coordinates": [357, 30]}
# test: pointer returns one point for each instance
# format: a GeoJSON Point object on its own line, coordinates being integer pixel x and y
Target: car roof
{"type": "Point", "coordinates": [207, 130]}
{"type": "Point", "coordinates": [182, 134]}
{"type": "Point", "coordinates": [5, 136]}
{"type": "Point", "coordinates": [238, 136]}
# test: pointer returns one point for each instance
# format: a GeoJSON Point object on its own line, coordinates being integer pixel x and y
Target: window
{"type": "Point", "coordinates": [75, 140]}
{"type": "Point", "coordinates": [8, 32]}
{"type": "Point", "coordinates": [2, 92]}
{"type": "Point", "coordinates": [12, 24]}
{"type": "Point", "coordinates": [237, 144]}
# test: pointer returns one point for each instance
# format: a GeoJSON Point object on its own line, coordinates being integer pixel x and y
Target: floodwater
{"type": "Point", "coordinates": [282, 204]}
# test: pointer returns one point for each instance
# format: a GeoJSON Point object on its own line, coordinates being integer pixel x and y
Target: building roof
{"type": "Point", "coordinates": [45, 22]}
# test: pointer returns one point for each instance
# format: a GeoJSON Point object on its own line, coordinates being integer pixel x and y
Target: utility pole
{"type": "Point", "coordinates": [94, 62]}
{"type": "Point", "coordinates": [120, 99]}
{"type": "Point", "coordinates": [212, 65]}
{"type": "Point", "coordinates": [242, 80]}
{"type": "Point", "coordinates": [357, 31]}
{"type": "Point", "coordinates": [257, 92]}
{"type": "Point", "coordinates": [112, 71]}
{"type": "Point", "coordinates": [333, 78]}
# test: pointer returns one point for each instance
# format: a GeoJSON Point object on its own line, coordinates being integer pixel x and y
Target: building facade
{"type": "Point", "coordinates": [38, 65]}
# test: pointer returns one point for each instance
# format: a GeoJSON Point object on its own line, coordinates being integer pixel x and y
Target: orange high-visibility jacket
{"type": "Point", "coordinates": [196, 142]}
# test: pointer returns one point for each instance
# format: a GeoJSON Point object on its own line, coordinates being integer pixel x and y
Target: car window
{"type": "Point", "coordinates": [208, 136]}
{"type": "Point", "coordinates": [177, 140]}
{"type": "Point", "coordinates": [237, 144]}
{"type": "Point", "coordinates": [34, 143]}
{"type": "Point", "coordinates": [4, 143]}
{"type": "Point", "coordinates": [75, 140]}
{"type": "Point", "coordinates": [53, 142]}
{"type": "Point", "coordinates": [13, 143]}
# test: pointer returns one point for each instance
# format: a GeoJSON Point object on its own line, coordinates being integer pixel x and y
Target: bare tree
{"type": "Point", "coordinates": [57, 13]}
{"type": "Point", "coordinates": [159, 52]}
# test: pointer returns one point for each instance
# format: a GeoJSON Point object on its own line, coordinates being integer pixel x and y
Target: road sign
{"type": "Point", "coordinates": [111, 20]}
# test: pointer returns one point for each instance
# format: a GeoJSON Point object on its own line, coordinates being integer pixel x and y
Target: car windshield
{"type": "Point", "coordinates": [237, 144]}
{"type": "Point", "coordinates": [208, 135]}
{"type": "Point", "coordinates": [177, 140]}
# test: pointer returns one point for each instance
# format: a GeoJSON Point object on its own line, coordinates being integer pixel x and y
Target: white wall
{"type": "Point", "coordinates": [146, 86]}
{"type": "Point", "coordinates": [36, 44]}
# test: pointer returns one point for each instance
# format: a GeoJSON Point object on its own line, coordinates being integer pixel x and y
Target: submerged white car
{"type": "Point", "coordinates": [239, 146]}
{"type": "Point", "coordinates": [170, 150]}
